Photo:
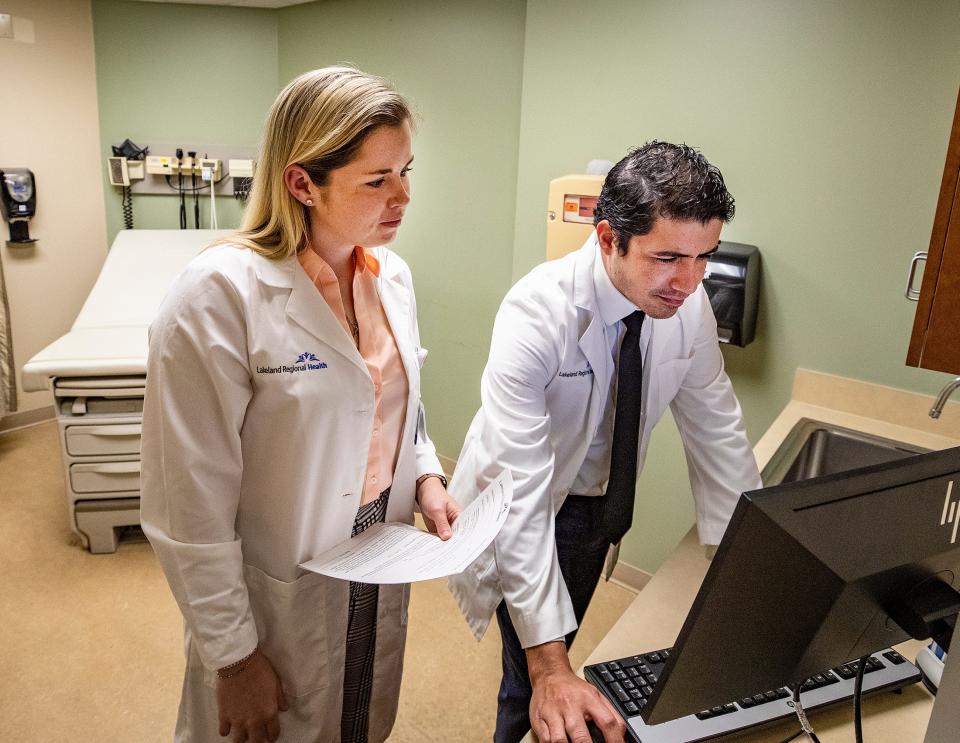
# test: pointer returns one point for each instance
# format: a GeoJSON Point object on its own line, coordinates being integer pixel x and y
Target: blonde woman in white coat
{"type": "Point", "coordinates": [282, 416]}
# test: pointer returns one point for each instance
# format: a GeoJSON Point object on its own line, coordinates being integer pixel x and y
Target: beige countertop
{"type": "Point", "coordinates": [654, 618]}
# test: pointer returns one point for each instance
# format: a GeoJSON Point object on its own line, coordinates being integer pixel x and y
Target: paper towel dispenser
{"type": "Point", "coordinates": [732, 281]}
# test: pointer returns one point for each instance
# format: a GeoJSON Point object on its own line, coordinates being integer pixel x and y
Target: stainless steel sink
{"type": "Point", "coordinates": [813, 448]}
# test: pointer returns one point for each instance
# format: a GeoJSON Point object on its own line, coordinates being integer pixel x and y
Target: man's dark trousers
{"type": "Point", "coordinates": [581, 552]}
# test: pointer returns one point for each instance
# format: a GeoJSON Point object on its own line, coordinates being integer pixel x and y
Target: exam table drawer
{"type": "Point", "coordinates": [103, 440]}
{"type": "Point", "coordinates": [105, 477]}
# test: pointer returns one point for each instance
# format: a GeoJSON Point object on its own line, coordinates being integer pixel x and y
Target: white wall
{"type": "Point", "coordinates": [49, 124]}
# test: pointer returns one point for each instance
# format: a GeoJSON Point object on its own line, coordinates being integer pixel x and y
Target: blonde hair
{"type": "Point", "coordinates": [318, 121]}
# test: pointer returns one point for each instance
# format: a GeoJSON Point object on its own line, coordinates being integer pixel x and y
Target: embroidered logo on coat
{"type": "Point", "coordinates": [579, 373]}
{"type": "Point", "coordinates": [304, 362]}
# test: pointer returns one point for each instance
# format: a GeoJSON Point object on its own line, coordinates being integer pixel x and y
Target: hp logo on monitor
{"type": "Point", "coordinates": [951, 514]}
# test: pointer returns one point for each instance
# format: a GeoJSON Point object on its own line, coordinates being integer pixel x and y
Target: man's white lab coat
{"type": "Point", "coordinates": [542, 400]}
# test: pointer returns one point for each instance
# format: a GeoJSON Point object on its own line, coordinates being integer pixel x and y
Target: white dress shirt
{"type": "Point", "coordinates": [613, 306]}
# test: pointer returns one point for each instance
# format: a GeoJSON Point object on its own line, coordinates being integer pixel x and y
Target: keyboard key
{"type": "Point", "coordinates": [631, 708]}
{"type": "Point", "coordinates": [628, 684]}
{"type": "Point", "coordinates": [894, 657]}
{"type": "Point", "coordinates": [760, 699]}
{"type": "Point", "coordinates": [747, 702]}
{"type": "Point", "coordinates": [621, 675]}
{"type": "Point", "coordinates": [621, 694]}
{"type": "Point", "coordinates": [643, 668]}
{"type": "Point", "coordinates": [651, 678]}
{"type": "Point", "coordinates": [633, 673]}
{"type": "Point", "coordinates": [727, 708]}
{"type": "Point", "coordinates": [641, 703]}
{"type": "Point", "coordinates": [665, 653]}
{"type": "Point", "coordinates": [705, 715]}
{"type": "Point", "coordinates": [636, 694]}
{"type": "Point", "coordinates": [606, 676]}
{"type": "Point", "coordinates": [654, 658]}
{"type": "Point", "coordinates": [771, 695]}
{"type": "Point", "coordinates": [845, 671]}
{"type": "Point", "coordinates": [629, 663]}
{"type": "Point", "coordinates": [647, 690]}
{"type": "Point", "coordinates": [613, 666]}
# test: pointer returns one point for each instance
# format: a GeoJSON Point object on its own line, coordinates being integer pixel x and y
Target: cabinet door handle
{"type": "Point", "coordinates": [132, 429]}
{"type": "Point", "coordinates": [910, 293]}
{"type": "Point", "coordinates": [110, 468]}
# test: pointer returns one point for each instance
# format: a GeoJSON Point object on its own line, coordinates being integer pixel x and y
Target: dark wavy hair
{"type": "Point", "coordinates": [661, 179]}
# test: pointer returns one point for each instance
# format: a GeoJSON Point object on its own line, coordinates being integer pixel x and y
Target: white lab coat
{"type": "Point", "coordinates": [543, 393]}
{"type": "Point", "coordinates": [248, 473]}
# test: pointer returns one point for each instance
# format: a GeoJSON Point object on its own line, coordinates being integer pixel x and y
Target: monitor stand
{"type": "Point", "coordinates": [931, 610]}
{"type": "Point", "coordinates": [945, 718]}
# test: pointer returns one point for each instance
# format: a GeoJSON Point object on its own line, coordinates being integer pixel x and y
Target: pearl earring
{"type": "Point", "coordinates": [309, 202]}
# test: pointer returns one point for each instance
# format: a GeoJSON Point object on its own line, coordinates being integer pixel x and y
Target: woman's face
{"type": "Point", "coordinates": [363, 201]}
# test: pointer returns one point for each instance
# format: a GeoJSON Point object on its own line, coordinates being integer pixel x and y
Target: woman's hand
{"type": "Point", "coordinates": [249, 703]}
{"type": "Point", "coordinates": [438, 508]}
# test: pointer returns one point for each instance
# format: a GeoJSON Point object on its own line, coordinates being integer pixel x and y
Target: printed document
{"type": "Point", "coordinates": [401, 553]}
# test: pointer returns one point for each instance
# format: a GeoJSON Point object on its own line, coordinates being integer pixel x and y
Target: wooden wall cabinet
{"type": "Point", "coordinates": [935, 342]}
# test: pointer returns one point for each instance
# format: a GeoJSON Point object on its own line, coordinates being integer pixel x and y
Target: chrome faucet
{"type": "Point", "coordinates": [945, 393]}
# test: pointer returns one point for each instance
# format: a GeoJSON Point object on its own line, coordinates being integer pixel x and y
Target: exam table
{"type": "Point", "coordinates": [97, 373]}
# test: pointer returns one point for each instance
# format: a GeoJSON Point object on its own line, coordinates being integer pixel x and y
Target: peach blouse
{"type": "Point", "coordinates": [379, 351]}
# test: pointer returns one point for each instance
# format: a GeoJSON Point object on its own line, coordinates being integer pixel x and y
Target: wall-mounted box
{"type": "Point", "coordinates": [570, 204]}
{"type": "Point", "coordinates": [732, 281]}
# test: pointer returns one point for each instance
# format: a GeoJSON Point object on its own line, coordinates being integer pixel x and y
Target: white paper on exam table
{"type": "Point", "coordinates": [400, 553]}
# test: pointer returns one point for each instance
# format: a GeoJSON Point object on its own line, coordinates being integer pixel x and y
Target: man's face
{"type": "Point", "coordinates": [662, 268]}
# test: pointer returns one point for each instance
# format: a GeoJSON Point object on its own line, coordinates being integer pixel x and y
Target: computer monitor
{"type": "Point", "coordinates": [816, 573]}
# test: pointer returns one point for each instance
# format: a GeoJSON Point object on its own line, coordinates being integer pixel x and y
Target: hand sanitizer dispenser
{"type": "Point", "coordinates": [732, 281]}
{"type": "Point", "coordinates": [18, 203]}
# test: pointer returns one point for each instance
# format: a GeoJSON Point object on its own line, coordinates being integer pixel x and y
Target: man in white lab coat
{"type": "Point", "coordinates": [587, 352]}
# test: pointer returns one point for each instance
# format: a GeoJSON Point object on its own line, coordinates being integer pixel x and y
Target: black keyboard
{"type": "Point", "coordinates": [629, 682]}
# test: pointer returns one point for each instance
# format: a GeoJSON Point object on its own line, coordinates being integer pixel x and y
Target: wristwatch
{"type": "Point", "coordinates": [441, 478]}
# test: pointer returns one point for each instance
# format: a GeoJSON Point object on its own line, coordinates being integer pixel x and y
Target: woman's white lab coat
{"type": "Point", "coordinates": [256, 427]}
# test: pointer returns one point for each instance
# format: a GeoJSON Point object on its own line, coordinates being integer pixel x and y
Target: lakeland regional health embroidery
{"type": "Point", "coordinates": [578, 373]}
{"type": "Point", "coordinates": [305, 362]}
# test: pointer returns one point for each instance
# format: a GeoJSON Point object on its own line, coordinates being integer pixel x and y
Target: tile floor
{"type": "Point", "coordinates": [92, 644]}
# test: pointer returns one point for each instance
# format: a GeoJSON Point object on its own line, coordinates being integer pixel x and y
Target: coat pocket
{"type": "Point", "coordinates": [292, 627]}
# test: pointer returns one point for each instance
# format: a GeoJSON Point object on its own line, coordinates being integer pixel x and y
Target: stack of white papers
{"type": "Point", "coordinates": [400, 553]}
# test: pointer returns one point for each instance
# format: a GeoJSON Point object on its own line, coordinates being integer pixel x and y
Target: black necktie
{"type": "Point", "coordinates": [622, 485]}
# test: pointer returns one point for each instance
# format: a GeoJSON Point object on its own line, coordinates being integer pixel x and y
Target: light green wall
{"type": "Point", "coordinates": [208, 74]}
{"type": "Point", "coordinates": [180, 73]}
{"type": "Point", "coordinates": [830, 122]}
{"type": "Point", "coordinates": [460, 63]}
